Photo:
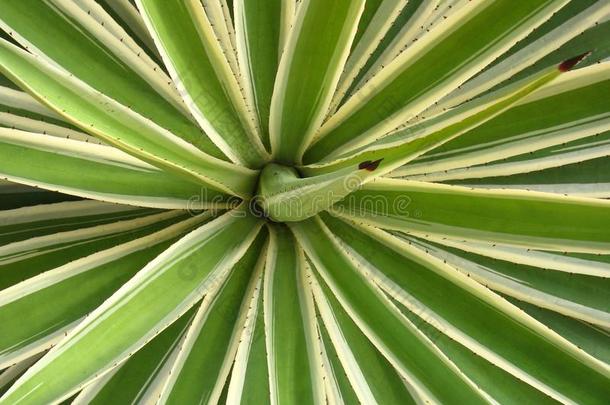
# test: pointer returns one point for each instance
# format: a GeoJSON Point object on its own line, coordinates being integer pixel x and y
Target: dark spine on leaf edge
{"type": "Point", "coordinates": [369, 165]}
{"type": "Point", "coordinates": [567, 65]}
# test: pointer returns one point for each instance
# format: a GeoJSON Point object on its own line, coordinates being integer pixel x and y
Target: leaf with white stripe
{"type": "Point", "coordinates": [259, 47]}
{"type": "Point", "coordinates": [328, 182]}
{"type": "Point", "coordinates": [592, 339]}
{"type": "Point", "coordinates": [202, 367]}
{"type": "Point", "coordinates": [219, 14]}
{"type": "Point", "coordinates": [5, 81]}
{"type": "Point", "coordinates": [425, 71]}
{"type": "Point", "coordinates": [126, 15]}
{"type": "Point", "coordinates": [45, 219]}
{"type": "Point", "coordinates": [371, 376]}
{"type": "Point", "coordinates": [500, 385]}
{"type": "Point", "coordinates": [9, 375]}
{"type": "Point", "coordinates": [99, 172]}
{"type": "Point", "coordinates": [581, 150]}
{"type": "Point", "coordinates": [81, 45]}
{"type": "Point", "coordinates": [119, 125]}
{"type": "Point", "coordinates": [564, 27]}
{"type": "Point", "coordinates": [294, 373]}
{"type": "Point", "coordinates": [185, 37]}
{"type": "Point", "coordinates": [249, 381]}
{"type": "Point", "coordinates": [521, 218]}
{"type": "Point", "coordinates": [13, 98]}
{"type": "Point", "coordinates": [22, 260]}
{"type": "Point", "coordinates": [193, 267]}
{"type": "Point", "coordinates": [590, 178]}
{"type": "Point", "coordinates": [430, 376]}
{"type": "Point", "coordinates": [413, 22]}
{"type": "Point", "coordinates": [15, 195]}
{"type": "Point", "coordinates": [571, 108]}
{"type": "Point", "coordinates": [377, 19]}
{"type": "Point", "coordinates": [338, 388]}
{"type": "Point", "coordinates": [580, 296]}
{"type": "Point", "coordinates": [573, 263]}
{"type": "Point", "coordinates": [19, 110]}
{"type": "Point", "coordinates": [477, 318]}
{"type": "Point", "coordinates": [77, 286]}
{"type": "Point", "coordinates": [317, 48]}
{"type": "Point", "coordinates": [594, 39]}
{"type": "Point", "coordinates": [135, 380]}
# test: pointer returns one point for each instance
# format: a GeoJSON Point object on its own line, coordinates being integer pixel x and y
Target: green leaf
{"type": "Point", "coordinates": [259, 40]}
{"type": "Point", "coordinates": [137, 379]}
{"type": "Point", "coordinates": [594, 40]}
{"type": "Point", "coordinates": [559, 156]}
{"type": "Point", "coordinates": [200, 370]}
{"type": "Point", "coordinates": [500, 385]}
{"type": "Point", "coordinates": [294, 371]}
{"type": "Point", "coordinates": [309, 71]}
{"type": "Point", "coordinates": [39, 220]}
{"type": "Point", "coordinates": [94, 54]}
{"type": "Point", "coordinates": [378, 18]}
{"type": "Point", "coordinates": [477, 318]}
{"type": "Point", "coordinates": [76, 285]}
{"type": "Point", "coordinates": [221, 22]}
{"type": "Point", "coordinates": [580, 296]}
{"type": "Point", "coordinates": [196, 63]}
{"type": "Point", "coordinates": [118, 125]}
{"type": "Point", "coordinates": [433, 66]}
{"type": "Point", "coordinates": [566, 26]}
{"type": "Point", "coordinates": [571, 263]}
{"type": "Point", "coordinates": [338, 389]}
{"type": "Point", "coordinates": [404, 146]}
{"type": "Point", "coordinates": [249, 382]}
{"type": "Point", "coordinates": [11, 374]}
{"type": "Point", "coordinates": [430, 376]}
{"type": "Point", "coordinates": [571, 108]}
{"type": "Point", "coordinates": [413, 22]}
{"type": "Point", "coordinates": [111, 332]}
{"type": "Point", "coordinates": [24, 259]}
{"type": "Point", "coordinates": [302, 114]}
{"type": "Point", "coordinates": [19, 110]}
{"type": "Point", "coordinates": [586, 179]}
{"type": "Point", "coordinates": [125, 13]}
{"type": "Point", "coordinates": [529, 219]}
{"type": "Point", "coordinates": [285, 197]}
{"type": "Point", "coordinates": [370, 375]}
{"type": "Point", "coordinates": [591, 339]}
{"type": "Point", "coordinates": [17, 196]}
{"type": "Point", "coordinates": [98, 172]}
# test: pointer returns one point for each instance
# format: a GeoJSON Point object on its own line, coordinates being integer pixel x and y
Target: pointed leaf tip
{"type": "Point", "coordinates": [567, 65]}
{"type": "Point", "coordinates": [369, 165]}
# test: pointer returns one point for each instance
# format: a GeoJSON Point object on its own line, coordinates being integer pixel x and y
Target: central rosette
{"type": "Point", "coordinates": [284, 195]}
{"type": "Point", "coordinates": [274, 198]}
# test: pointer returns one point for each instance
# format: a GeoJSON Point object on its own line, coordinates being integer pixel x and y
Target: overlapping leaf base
{"type": "Point", "coordinates": [313, 201]}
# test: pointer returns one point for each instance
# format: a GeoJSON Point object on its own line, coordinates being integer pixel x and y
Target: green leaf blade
{"type": "Point", "coordinates": [112, 329]}
{"type": "Point", "coordinates": [309, 72]}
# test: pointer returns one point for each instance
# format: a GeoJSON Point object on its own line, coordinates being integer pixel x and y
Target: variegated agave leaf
{"type": "Point", "coordinates": [304, 201]}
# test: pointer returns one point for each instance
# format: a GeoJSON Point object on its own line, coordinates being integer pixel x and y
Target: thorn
{"type": "Point", "coordinates": [369, 165]}
{"type": "Point", "coordinates": [567, 65]}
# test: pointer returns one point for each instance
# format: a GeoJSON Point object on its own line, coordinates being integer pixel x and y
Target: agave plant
{"type": "Point", "coordinates": [316, 201]}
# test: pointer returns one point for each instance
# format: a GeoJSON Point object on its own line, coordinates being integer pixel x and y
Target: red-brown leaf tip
{"type": "Point", "coordinates": [370, 165]}
{"type": "Point", "coordinates": [570, 63]}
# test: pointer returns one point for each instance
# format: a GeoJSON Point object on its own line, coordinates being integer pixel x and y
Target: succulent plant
{"type": "Point", "coordinates": [294, 202]}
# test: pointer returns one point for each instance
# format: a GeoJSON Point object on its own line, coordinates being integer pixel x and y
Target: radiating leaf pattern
{"type": "Point", "coordinates": [304, 202]}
